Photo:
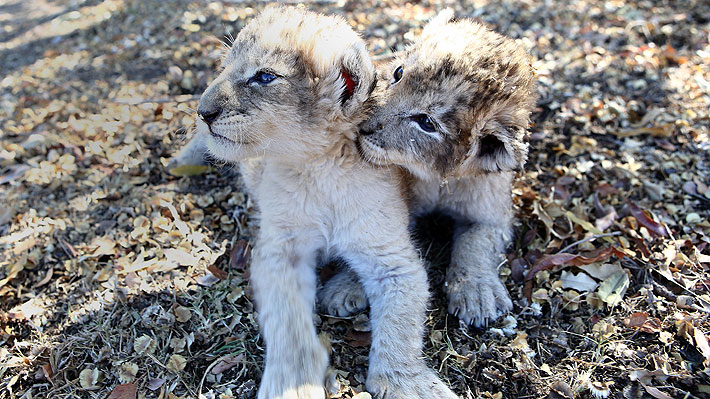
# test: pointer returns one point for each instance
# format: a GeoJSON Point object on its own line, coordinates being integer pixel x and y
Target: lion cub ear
{"type": "Point", "coordinates": [442, 18]}
{"type": "Point", "coordinates": [357, 78]}
{"type": "Point", "coordinates": [495, 148]}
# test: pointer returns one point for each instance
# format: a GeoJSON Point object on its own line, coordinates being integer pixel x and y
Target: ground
{"type": "Point", "coordinates": [119, 278]}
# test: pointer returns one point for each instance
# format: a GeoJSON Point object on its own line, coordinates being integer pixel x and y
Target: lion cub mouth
{"type": "Point", "coordinates": [227, 140]}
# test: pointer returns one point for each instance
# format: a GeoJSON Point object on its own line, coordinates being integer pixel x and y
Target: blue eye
{"type": "Point", "coordinates": [262, 78]}
{"type": "Point", "coordinates": [397, 75]}
{"type": "Point", "coordinates": [425, 122]}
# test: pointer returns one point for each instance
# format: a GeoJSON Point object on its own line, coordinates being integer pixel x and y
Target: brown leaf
{"type": "Point", "coordinates": [641, 321]}
{"type": "Point", "coordinates": [656, 131]}
{"type": "Point", "coordinates": [46, 279]}
{"type": "Point", "coordinates": [636, 319]}
{"type": "Point", "coordinates": [701, 342]}
{"type": "Point", "coordinates": [123, 391]}
{"type": "Point", "coordinates": [48, 372]}
{"type": "Point", "coordinates": [656, 393]}
{"type": "Point", "coordinates": [645, 220]}
{"type": "Point", "coordinates": [239, 255]}
{"type": "Point", "coordinates": [549, 261]}
{"type": "Point", "coordinates": [155, 383]}
{"type": "Point", "coordinates": [358, 338]}
{"type": "Point", "coordinates": [227, 363]}
{"type": "Point", "coordinates": [217, 272]}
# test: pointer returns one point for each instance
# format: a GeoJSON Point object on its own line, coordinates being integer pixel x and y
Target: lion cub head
{"type": "Point", "coordinates": [455, 103]}
{"type": "Point", "coordinates": [290, 81]}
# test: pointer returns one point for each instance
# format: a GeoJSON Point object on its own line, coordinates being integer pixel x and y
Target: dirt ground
{"type": "Point", "coordinates": [118, 278]}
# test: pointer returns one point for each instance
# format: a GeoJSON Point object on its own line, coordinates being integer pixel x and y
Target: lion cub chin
{"type": "Point", "coordinates": [453, 110]}
{"type": "Point", "coordinates": [295, 85]}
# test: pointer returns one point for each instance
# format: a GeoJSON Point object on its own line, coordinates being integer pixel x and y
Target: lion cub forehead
{"type": "Point", "coordinates": [283, 30]}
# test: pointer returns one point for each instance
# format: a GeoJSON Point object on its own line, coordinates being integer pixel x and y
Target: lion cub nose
{"type": "Point", "coordinates": [209, 115]}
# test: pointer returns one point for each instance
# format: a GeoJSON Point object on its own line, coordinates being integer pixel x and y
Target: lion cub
{"type": "Point", "coordinates": [453, 110]}
{"type": "Point", "coordinates": [294, 88]}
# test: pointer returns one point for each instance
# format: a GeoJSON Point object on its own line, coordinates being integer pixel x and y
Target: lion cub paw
{"type": "Point", "coordinates": [476, 301]}
{"type": "Point", "coordinates": [279, 382]}
{"type": "Point", "coordinates": [300, 392]}
{"type": "Point", "coordinates": [422, 384]}
{"type": "Point", "coordinates": [342, 295]}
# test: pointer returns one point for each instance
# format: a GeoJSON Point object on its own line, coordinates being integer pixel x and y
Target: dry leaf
{"type": "Point", "coordinates": [155, 383]}
{"type": "Point", "coordinates": [127, 372]}
{"type": "Point", "coordinates": [549, 261]}
{"type": "Point", "coordinates": [581, 281]}
{"type": "Point", "coordinates": [179, 256]}
{"type": "Point", "coordinates": [217, 272]}
{"type": "Point", "coordinates": [701, 342]}
{"type": "Point", "coordinates": [144, 345]}
{"type": "Point", "coordinates": [646, 221]}
{"type": "Point", "coordinates": [613, 288]}
{"type": "Point", "coordinates": [182, 314]}
{"type": "Point", "coordinates": [656, 393]}
{"type": "Point", "coordinates": [601, 271]}
{"type": "Point", "coordinates": [227, 363]}
{"type": "Point", "coordinates": [89, 379]}
{"type": "Point", "coordinates": [124, 391]}
{"type": "Point", "coordinates": [176, 363]}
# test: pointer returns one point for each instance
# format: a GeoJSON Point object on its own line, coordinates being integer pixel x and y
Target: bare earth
{"type": "Point", "coordinates": [119, 278]}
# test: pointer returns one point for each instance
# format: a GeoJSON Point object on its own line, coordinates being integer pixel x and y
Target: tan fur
{"type": "Point", "coordinates": [477, 88]}
{"type": "Point", "coordinates": [317, 199]}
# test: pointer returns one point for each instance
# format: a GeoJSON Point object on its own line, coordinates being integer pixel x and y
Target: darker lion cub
{"type": "Point", "coordinates": [453, 111]}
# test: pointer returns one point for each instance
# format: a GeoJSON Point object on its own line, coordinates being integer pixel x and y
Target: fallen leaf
{"type": "Point", "coordinates": [179, 256]}
{"type": "Point", "coordinates": [656, 393]}
{"type": "Point", "coordinates": [239, 255]}
{"type": "Point", "coordinates": [641, 321]}
{"type": "Point", "coordinates": [127, 372]}
{"type": "Point", "coordinates": [144, 345]}
{"type": "Point", "coordinates": [601, 271]}
{"type": "Point", "coordinates": [560, 390]}
{"type": "Point", "coordinates": [549, 261]}
{"type": "Point", "coordinates": [655, 131]}
{"type": "Point", "coordinates": [701, 342]}
{"type": "Point", "coordinates": [612, 289]}
{"type": "Point", "coordinates": [636, 319]}
{"type": "Point", "coordinates": [646, 221]}
{"type": "Point", "coordinates": [217, 272]}
{"type": "Point", "coordinates": [155, 383]}
{"type": "Point", "coordinates": [176, 363]}
{"type": "Point", "coordinates": [358, 339]}
{"type": "Point", "coordinates": [48, 372]}
{"type": "Point", "coordinates": [89, 378]}
{"type": "Point", "coordinates": [123, 391]}
{"type": "Point", "coordinates": [580, 282]}
{"type": "Point", "coordinates": [227, 363]}
{"type": "Point", "coordinates": [182, 314]}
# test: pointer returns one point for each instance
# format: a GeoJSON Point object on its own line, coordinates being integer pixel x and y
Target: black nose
{"type": "Point", "coordinates": [210, 115]}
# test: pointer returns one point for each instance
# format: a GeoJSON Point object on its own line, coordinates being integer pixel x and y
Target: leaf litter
{"type": "Point", "coordinates": [122, 279]}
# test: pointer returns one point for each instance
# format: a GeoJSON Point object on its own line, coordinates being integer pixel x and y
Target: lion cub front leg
{"type": "Point", "coordinates": [284, 281]}
{"type": "Point", "coordinates": [193, 153]}
{"type": "Point", "coordinates": [397, 289]}
{"type": "Point", "coordinates": [475, 292]}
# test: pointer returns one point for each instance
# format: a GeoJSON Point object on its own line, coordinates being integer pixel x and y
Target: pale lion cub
{"type": "Point", "coordinates": [295, 85]}
{"type": "Point", "coordinates": [453, 110]}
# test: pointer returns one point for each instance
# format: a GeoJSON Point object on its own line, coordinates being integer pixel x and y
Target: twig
{"type": "Point", "coordinates": [594, 237]}
{"type": "Point", "coordinates": [177, 99]}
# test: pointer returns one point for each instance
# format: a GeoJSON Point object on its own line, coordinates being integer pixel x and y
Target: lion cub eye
{"type": "Point", "coordinates": [425, 122]}
{"type": "Point", "coordinates": [397, 76]}
{"type": "Point", "coordinates": [262, 78]}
